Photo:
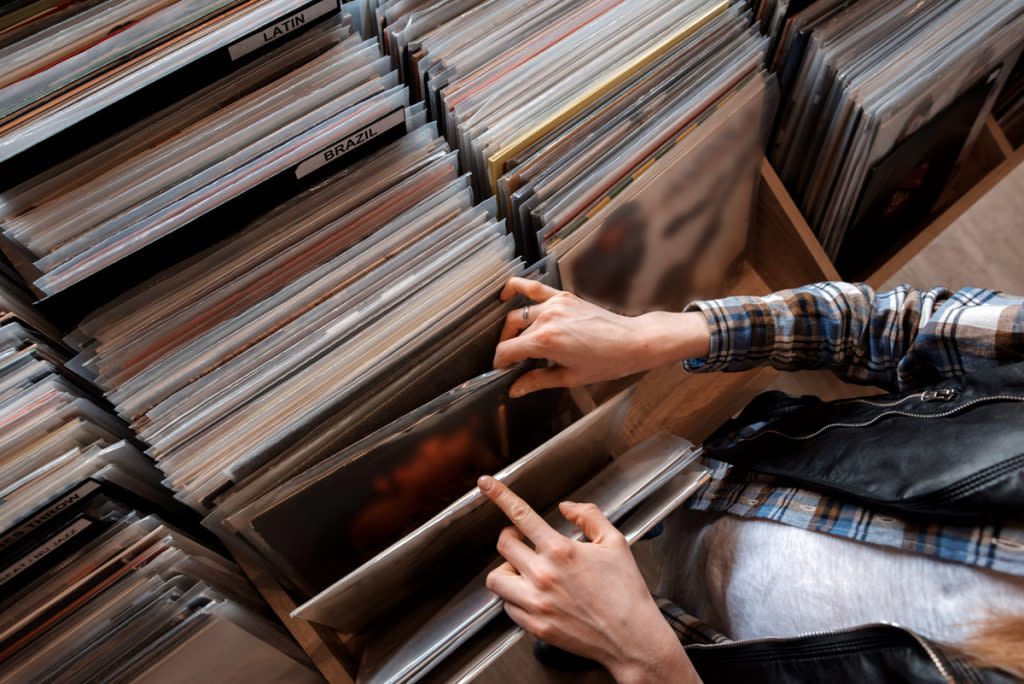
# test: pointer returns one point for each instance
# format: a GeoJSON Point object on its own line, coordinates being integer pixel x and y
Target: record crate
{"type": "Point", "coordinates": [783, 252]}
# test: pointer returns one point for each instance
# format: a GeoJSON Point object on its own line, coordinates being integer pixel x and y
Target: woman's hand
{"type": "Point", "coordinates": [587, 343]}
{"type": "Point", "coordinates": [589, 599]}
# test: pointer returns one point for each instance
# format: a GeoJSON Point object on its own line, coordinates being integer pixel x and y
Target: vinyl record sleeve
{"type": "Point", "coordinates": [417, 466]}
{"type": "Point", "coordinates": [901, 188]}
{"type": "Point", "coordinates": [660, 243]}
{"type": "Point", "coordinates": [461, 532]}
{"type": "Point", "coordinates": [201, 650]}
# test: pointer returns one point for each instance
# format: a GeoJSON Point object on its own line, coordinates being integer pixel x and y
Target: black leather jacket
{"type": "Point", "coordinates": [952, 452]}
{"type": "Point", "coordinates": [873, 653]}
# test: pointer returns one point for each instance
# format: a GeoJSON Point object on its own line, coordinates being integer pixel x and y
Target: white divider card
{"type": "Point", "coordinates": [340, 149]}
{"type": "Point", "coordinates": [50, 511]}
{"type": "Point", "coordinates": [281, 28]}
{"type": "Point", "coordinates": [52, 544]}
{"type": "Point", "coordinates": [168, 38]}
{"type": "Point", "coordinates": [202, 170]}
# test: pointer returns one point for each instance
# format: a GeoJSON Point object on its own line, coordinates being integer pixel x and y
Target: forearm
{"type": "Point", "coordinates": [894, 339]}
{"type": "Point", "coordinates": [665, 337]}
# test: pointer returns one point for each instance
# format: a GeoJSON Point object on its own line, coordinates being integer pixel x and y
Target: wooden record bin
{"type": "Point", "coordinates": [783, 252]}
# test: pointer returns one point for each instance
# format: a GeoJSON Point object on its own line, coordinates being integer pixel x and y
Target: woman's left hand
{"type": "Point", "coordinates": [589, 599]}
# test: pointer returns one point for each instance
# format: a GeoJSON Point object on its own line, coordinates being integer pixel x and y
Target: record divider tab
{"type": "Point", "coordinates": [161, 93]}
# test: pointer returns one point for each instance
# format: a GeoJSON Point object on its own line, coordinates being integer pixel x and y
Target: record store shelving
{"type": "Point", "coordinates": [781, 250]}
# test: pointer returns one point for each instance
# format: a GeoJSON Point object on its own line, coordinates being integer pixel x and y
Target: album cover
{"type": "Point", "coordinates": [676, 233]}
{"type": "Point", "coordinates": [617, 489]}
{"type": "Point", "coordinates": [902, 188]}
{"type": "Point", "coordinates": [451, 543]}
{"type": "Point", "coordinates": [357, 503]}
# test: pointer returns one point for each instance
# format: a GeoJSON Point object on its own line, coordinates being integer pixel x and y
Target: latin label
{"type": "Point", "coordinates": [281, 28]}
{"type": "Point", "coordinates": [55, 508]}
{"type": "Point", "coordinates": [39, 553]}
{"type": "Point", "coordinates": [349, 143]}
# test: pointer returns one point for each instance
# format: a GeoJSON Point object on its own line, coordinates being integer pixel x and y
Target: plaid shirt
{"type": "Point", "coordinates": [897, 340]}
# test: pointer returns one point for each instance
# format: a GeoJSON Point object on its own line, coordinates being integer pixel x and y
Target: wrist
{"type": "Point", "coordinates": [666, 337]}
{"type": "Point", "coordinates": [662, 659]}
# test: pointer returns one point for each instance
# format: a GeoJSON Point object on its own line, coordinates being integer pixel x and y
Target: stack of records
{"type": "Point", "coordinates": [58, 440]}
{"type": "Point", "coordinates": [74, 70]}
{"type": "Point", "coordinates": [16, 300]}
{"type": "Point", "coordinates": [775, 17]}
{"type": "Point", "coordinates": [359, 300]}
{"type": "Point", "coordinates": [89, 588]}
{"type": "Point", "coordinates": [119, 597]}
{"type": "Point", "coordinates": [623, 138]}
{"type": "Point", "coordinates": [884, 99]}
{"type": "Point", "coordinates": [292, 114]}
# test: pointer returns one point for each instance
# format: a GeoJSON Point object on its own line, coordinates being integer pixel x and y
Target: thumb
{"type": "Point", "coordinates": [590, 520]}
{"type": "Point", "coordinates": [541, 378]}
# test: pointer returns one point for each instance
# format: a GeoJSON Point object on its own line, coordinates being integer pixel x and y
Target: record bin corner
{"type": "Point", "coordinates": [991, 159]}
{"type": "Point", "coordinates": [787, 252]}
{"type": "Point", "coordinates": [325, 648]}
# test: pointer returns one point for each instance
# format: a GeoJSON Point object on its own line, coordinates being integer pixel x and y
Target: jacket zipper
{"type": "Point", "coordinates": [883, 404]}
{"type": "Point", "coordinates": [941, 394]}
{"type": "Point", "coordinates": [936, 660]}
{"type": "Point", "coordinates": [932, 654]}
{"type": "Point", "coordinates": [924, 396]}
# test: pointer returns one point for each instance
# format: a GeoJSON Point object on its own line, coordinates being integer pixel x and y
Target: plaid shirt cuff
{"type": "Point", "coordinates": [688, 629]}
{"type": "Point", "coordinates": [742, 332]}
{"type": "Point", "coordinates": [896, 339]}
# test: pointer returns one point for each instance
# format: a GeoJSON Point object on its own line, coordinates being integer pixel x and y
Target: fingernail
{"type": "Point", "coordinates": [568, 503]}
{"type": "Point", "coordinates": [485, 483]}
{"type": "Point", "coordinates": [515, 392]}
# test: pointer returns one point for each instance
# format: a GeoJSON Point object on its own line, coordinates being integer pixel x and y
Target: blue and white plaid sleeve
{"type": "Point", "coordinates": [897, 339]}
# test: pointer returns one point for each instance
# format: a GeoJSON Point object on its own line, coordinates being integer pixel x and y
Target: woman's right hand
{"type": "Point", "coordinates": [589, 344]}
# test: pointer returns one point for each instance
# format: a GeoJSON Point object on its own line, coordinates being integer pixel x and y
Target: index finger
{"type": "Point", "coordinates": [533, 290]}
{"type": "Point", "coordinates": [518, 511]}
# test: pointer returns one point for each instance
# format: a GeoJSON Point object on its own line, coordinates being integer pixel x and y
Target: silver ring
{"type": "Point", "coordinates": [526, 314]}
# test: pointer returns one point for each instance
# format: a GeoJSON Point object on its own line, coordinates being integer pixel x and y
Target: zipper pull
{"type": "Point", "coordinates": [941, 394]}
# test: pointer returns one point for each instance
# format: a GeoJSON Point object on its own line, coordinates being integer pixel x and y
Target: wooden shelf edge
{"type": "Point", "coordinates": [323, 646]}
{"type": "Point", "coordinates": [887, 270]}
{"type": "Point", "coordinates": [999, 137]}
{"type": "Point", "coordinates": [781, 229]}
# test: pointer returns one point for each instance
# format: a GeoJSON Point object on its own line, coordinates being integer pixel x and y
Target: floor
{"type": "Point", "coordinates": [984, 248]}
